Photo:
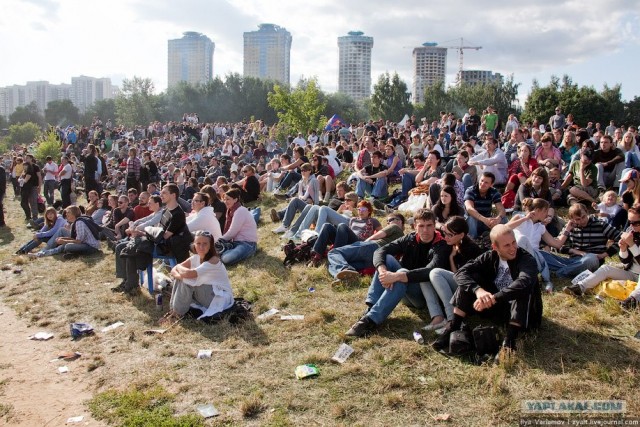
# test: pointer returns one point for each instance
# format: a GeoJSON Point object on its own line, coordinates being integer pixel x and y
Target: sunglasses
{"type": "Point", "coordinates": [196, 200]}
{"type": "Point", "coordinates": [121, 202]}
{"type": "Point", "coordinates": [363, 209]}
{"type": "Point", "coordinates": [634, 223]}
{"type": "Point", "coordinates": [202, 233]}
{"type": "Point", "coordinates": [389, 220]}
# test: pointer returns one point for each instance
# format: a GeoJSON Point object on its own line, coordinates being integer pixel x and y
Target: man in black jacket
{"type": "Point", "coordinates": [420, 252]}
{"type": "Point", "coordinates": [501, 284]}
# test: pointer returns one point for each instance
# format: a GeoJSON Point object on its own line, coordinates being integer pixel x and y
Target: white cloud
{"type": "Point", "coordinates": [54, 40]}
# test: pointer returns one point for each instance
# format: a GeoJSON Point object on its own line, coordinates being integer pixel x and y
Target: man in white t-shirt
{"type": "Point", "coordinates": [50, 170]}
{"type": "Point", "coordinates": [312, 138]}
{"type": "Point", "coordinates": [300, 141]}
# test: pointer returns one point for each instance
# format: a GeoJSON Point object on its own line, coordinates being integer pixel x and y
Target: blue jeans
{"type": "Point", "coordinates": [631, 160]}
{"type": "Point", "coordinates": [62, 232]}
{"type": "Point", "coordinates": [623, 185]}
{"type": "Point", "coordinates": [378, 189]}
{"type": "Point", "coordinates": [439, 290]}
{"type": "Point", "coordinates": [239, 252]}
{"type": "Point", "coordinates": [476, 228]}
{"type": "Point", "coordinates": [289, 180]}
{"type": "Point", "coordinates": [383, 300]}
{"type": "Point", "coordinates": [319, 215]}
{"type": "Point", "coordinates": [356, 256]}
{"type": "Point", "coordinates": [71, 248]}
{"type": "Point", "coordinates": [32, 244]}
{"type": "Point", "coordinates": [467, 181]}
{"type": "Point", "coordinates": [340, 236]}
{"type": "Point", "coordinates": [49, 190]}
{"type": "Point", "coordinates": [570, 267]}
{"type": "Point", "coordinates": [408, 182]}
{"type": "Point", "coordinates": [308, 215]}
{"type": "Point", "coordinates": [295, 205]}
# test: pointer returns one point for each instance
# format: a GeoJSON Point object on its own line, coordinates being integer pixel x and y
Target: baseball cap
{"type": "Point", "coordinates": [631, 174]}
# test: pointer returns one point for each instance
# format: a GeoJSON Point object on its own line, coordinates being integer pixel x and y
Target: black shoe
{"type": "Point", "coordinates": [574, 290]}
{"type": "Point", "coordinates": [120, 288]}
{"type": "Point", "coordinates": [274, 215]}
{"type": "Point", "coordinates": [629, 303]}
{"type": "Point", "coordinates": [442, 342]}
{"type": "Point", "coordinates": [362, 327]}
{"type": "Point", "coordinates": [378, 204]}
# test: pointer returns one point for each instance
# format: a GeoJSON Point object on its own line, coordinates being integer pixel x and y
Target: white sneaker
{"type": "Point", "coordinates": [280, 229]}
{"type": "Point", "coordinates": [288, 234]}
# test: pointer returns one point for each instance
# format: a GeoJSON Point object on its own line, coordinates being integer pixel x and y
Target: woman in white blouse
{"type": "Point", "coordinates": [201, 282]}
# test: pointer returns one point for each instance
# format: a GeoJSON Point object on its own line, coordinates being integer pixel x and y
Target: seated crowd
{"type": "Point", "coordinates": [485, 227]}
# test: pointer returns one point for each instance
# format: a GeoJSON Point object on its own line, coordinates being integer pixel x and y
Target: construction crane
{"type": "Point", "coordinates": [460, 50]}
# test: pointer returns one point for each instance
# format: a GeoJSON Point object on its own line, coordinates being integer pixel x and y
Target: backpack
{"type": "Point", "coordinates": [91, 225]}
{"type": "Point", "coordinates": [294, 253]}
{"type": "Point", "coordinates": [240, 310]}
{"type": "Point", "coordinates": [486, 340]}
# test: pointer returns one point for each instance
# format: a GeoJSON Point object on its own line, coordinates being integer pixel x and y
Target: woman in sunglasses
{"type": "Point", "coordinates": [201, 282]}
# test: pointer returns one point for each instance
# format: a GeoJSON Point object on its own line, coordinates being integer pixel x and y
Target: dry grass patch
{"type": "Point", "coordinates": [584, 350]}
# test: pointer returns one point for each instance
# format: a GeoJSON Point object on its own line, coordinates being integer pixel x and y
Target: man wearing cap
{"type": "Point", "coordinates": [300, 141]}
{"type": "Point", "coordinates": [609, 161]}
{"type": "Point", "coordinates": [581, 180]}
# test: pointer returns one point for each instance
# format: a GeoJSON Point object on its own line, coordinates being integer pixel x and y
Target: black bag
{"type": "Point", "coordinates": [486, 340]}
{"type": "Point", "coordinates": [222, 245]}
{"type": "Point", "coordinates": [240, 310]}
{"type": "Point", "coordinates": [298, 253]}
{"type": "Point", "coordinates": [460, 342]}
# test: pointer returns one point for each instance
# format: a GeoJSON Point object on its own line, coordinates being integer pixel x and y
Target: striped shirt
{"type": "Point", "coordinates": [482, 204]}
{"type": "Point", "coordinates": [593, 238]}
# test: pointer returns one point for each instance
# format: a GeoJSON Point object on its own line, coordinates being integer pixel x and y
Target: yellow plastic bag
{"type": "Point", "coordinates": [617, 289]}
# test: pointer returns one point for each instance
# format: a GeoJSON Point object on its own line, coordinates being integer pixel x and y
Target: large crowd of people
{"type": "Point", "coordinates": [480, 197]}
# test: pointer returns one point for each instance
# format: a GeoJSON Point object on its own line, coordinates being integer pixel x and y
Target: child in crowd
{"type": "Point", "coordinates": [608, 207]}
{"type": "Point", "coordinates": [555, 184]}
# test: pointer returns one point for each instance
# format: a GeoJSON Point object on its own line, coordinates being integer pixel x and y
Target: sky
{"type": "Point", "coordinates": [595, 42]}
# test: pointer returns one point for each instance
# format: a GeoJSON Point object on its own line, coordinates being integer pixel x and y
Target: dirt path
{"type": "Point", "coordinates": [31, 384]}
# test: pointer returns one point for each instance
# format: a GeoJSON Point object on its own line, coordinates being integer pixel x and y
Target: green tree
{"type": "Point", "coordinates": [436, 99]}
{"type": "Point", "coordinates": [390, 98]}
{"type": "Point", "coordinates": [103, 108]}
{"type": "Point", "coordinates": [50, 146]}
{"type": "Point", "coordinates": [23, 133]}
{"type": "Point", "coordinates": [26, 114]}
{"type": "Point", "coordinates": [301, 108]}
{"type": "Point", "coordinates": [632, 112]}
{"type": "Point", "coordinates": [4, 123]}
{"type": "Point", "coordinates": [137, 104]}
{"type": "Point", "coordinates": [346, 107]}
{"type": "Point", "coordinates": [61, 113]}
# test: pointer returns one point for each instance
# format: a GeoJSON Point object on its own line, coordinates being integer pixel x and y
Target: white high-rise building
{"type": "Point", "coordinates": [475, 77]}
{"type": "Point", "coordinates": [429, 67]}
{"type": "Point", "coordinates": [190, 59]}
{"type": "Point", "coordinates": [83, 92]}
{"type": "Point", "coordinates": [267, 53]}
{"type": "Point", "coordinates": [354, 65]}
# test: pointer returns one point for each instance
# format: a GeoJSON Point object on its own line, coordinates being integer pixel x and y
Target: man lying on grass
{"type": "Point", "coordinates": [501, 284]}
{"type": "Point", "coordinates": [420, 252]}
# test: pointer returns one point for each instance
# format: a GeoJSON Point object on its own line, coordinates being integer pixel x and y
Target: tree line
{"type": "Point", "coordinates": [305, 105]}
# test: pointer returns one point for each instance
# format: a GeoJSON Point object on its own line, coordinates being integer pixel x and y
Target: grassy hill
{"type": "Point", "coordinates": [584, 350]}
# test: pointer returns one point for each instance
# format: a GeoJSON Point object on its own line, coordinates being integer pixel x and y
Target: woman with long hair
{"type": "Point", "coordinates": [52, 223]}
{"type": "Point", "coordinates": [447, 206]}
{"type": "Point", "coordinates": [441, 285]}
{"type": "Point", "coordinates": [201, 281]}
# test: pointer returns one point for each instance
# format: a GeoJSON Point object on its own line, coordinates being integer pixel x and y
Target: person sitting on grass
{"type": "Point", "coordinates": [346, 262]}
{"type": "Point", "coordinates": [201, 282]}
{"type": "Point", "coordinates": [478, 201]}
{"type": "Point", "coordinates": [78, 240]}
{"type": "Point", "coordinates": [629, 255]}
{"type": "Point", "coordinates": [395, 280]}
{"type": "Point", "coordinates": [308, 193]}
{"type": "Point", "coordinates": [358, 229]}
{"type": "Point", "coordinates": [240, 233]}
{"type": "Point", "coordinates": [372, 179]}
{"type": "Point", "coordinates": [202, 216]}
{"type": "Point", "coordinates": [52, 223]}
{"type": "Point", "coordinates": [585, 238]}
{"type": "Point", "coordinates": [441, 285]}
{"type": "Point", "coordinates": [499, 284]}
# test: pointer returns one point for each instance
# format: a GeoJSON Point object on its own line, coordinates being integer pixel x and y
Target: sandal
{"type": "Point", "coordinates": [169, 319]}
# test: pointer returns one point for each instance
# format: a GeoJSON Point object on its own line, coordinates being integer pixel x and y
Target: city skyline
{"type": "Point", "coordinates": [594, 45]}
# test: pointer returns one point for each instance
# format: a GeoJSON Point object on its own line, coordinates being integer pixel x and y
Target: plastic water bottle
{"type": "Point", "coordinates": [159, 301]}
{"type": "Point", "coordinates": [417, 336]}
